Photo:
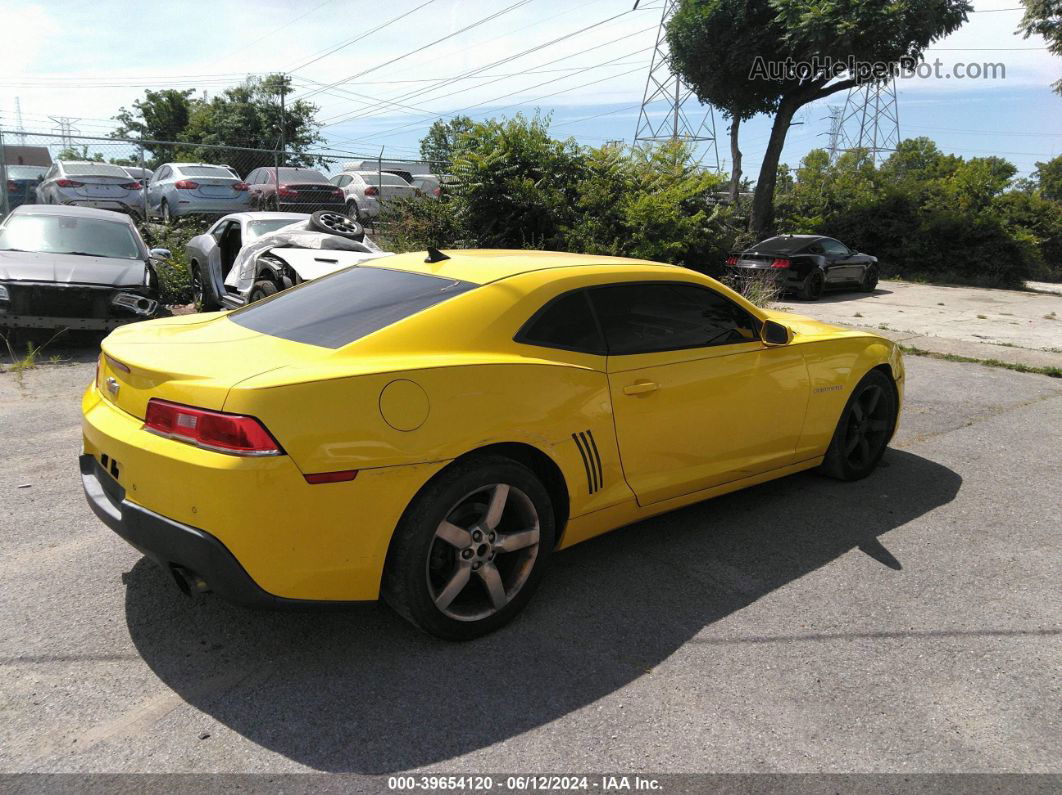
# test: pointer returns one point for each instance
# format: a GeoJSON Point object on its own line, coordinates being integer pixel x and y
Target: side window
{"type": "Point", "coordinates": [252, 178]}
{"type": "Point", "coordinates": [221, 228]}
{"type": "Point", "coordinates": [834, 247]}
{"type": "Point", "coordinates": [667, 316]}
{"type": "Point", "coordinates": [566, 322]}
{"type": "Point", "coordinates": [816, 248]}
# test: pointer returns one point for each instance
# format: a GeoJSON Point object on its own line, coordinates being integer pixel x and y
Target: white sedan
{"type": "Point", "coordinates": [245, 257]}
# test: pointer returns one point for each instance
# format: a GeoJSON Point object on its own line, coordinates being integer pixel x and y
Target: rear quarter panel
{"type": "Point", "coordinates": [339, 423]}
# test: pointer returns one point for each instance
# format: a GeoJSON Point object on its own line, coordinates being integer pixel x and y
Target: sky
{"type": "Point", "coordinates": [585, 63]}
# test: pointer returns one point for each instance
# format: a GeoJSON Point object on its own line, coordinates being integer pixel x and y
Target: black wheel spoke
{"type": "Point", "coordinates": [873, 398]}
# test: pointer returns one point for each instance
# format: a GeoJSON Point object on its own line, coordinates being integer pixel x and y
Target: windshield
{"type": "Point", "coordinates": [780, 245]}
{"type": "Point", "coordinates": [374, 178]}
{"type": "Point", "coordinates": [25, 172]}
{"type": "Point", "coordinates": [93, 170]}
{"type": "Point", "coordinates": [206, 171]}
{"type": "Point", "coordinates": [256, 229]}
{"type": "Point", "coordinates": [347, 305]}
{"type": "Point", "coordinates": [301, 175]}
{"type": "Point", "coordinates": [62, 234]}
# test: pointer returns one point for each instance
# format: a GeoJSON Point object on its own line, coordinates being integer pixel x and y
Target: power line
{"type": "Point", "coordinates": [281, 27]}
{"type": "Point", "coordinates": [398, 58]}
{"type": "Point", "coordinates": [472, 72]}
{"type": "Point", "coordinates": [356, 39]}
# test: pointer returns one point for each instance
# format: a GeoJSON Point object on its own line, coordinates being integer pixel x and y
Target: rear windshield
{"type": "Point", "coordinates": [205, 171]}
{"type": "Point", "coordinates": [780, 245]}
{"type": "Point", "coordinates": [25, 172]}
{"type": "Point", "coordinates": [374, 178]}
{"type": "Point", "coordinates": [337, 309]}
{"type": "Point", "coordinates": [302, 175]}
{"type": "Point", "coordinates": [62, 234]}
{"type": "Point", "coordinates": [94, 170]}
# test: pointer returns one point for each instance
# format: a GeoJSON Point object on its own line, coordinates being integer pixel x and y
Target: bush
{"type": "Point", "coordinates": [175, 281]}
{"type": "Point", "coordinates": [414, 224]}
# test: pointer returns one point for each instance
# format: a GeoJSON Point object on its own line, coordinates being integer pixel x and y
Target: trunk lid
{"type": "Point", "coordinates": [215, 188]}
{"type": "Point", "coordinates": [94, 187]}
{"type": "Point", "coordinates": [194, 360]}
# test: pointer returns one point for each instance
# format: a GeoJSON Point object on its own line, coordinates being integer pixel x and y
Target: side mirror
{"type": "Point", "coordinates": [774, 333]}
{"type": "Point", "coordinates": [161, 253]}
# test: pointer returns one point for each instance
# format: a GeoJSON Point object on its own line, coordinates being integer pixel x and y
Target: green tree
{"type": "Point", "coordinates": [1044, 18]}
{"type": "Point", "coordinates": [251, 115]}
{"type": "Point", "coordinates": [1048, 177]}
{"type": "Point", "coordinates": [442, 140]}
{"type": "Point", "coordinates": [159, 116]}
{"type": "Point", "coordinates": [79, 153]}
{"type": "Point", "coordinates": [517, 185]}
{"type": "Point", "coordinates": [722, 48]}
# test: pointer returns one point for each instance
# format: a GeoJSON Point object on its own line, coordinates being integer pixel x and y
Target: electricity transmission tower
{"type": "Point", "coordinates": [65, 128]}
{"type": "Point", "coordinates": [668, 102]}
{"type": "Point", "coordinates": [869, 120]}
{"type": "Point", "coordinates": [18, 121]}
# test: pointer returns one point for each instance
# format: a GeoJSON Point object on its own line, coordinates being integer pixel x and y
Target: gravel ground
{"type": "Point", "coordinates": [909, 622]}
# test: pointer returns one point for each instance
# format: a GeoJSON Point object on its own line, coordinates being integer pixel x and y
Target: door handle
{"type": "Point", "coordinates": [640, 388]}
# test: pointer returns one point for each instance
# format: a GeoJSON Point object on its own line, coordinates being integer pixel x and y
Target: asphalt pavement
{"type": "Point", "coordinates": [909, 622]}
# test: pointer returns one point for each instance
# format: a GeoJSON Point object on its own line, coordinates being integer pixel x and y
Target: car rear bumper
{"type": "Point", "coordinates": [195, 509]}
{"type": "Point", "coordinates": [208, 207]}
{"type": "Point", "coordinates": [785, 277]}
{"type": "Point", "coordinates": [190, 554]}
{"type": "Point", "coordinates": [129, 208]}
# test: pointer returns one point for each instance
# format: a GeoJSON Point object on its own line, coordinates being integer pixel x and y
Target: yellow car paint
{"type": "Point", "coordinates": [631, 436]}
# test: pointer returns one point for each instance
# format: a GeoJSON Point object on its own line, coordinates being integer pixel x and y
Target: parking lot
{"type": "Point", "coordinates": [908, 622]}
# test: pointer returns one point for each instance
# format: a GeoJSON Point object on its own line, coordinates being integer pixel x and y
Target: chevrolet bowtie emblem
{"type": "Point", "coordinates": [113, 386]}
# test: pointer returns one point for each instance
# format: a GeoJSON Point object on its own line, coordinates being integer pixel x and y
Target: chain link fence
{"type": "Point", "coordinates": [27, 169]}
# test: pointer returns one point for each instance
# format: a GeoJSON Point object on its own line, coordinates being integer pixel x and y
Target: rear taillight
{"type": "Point", "coordinates": [11, 186]}
{"type": "Point", "coordinates": [372, 191]}
{"type": "Point", "coordinates": [69, 183]}
{"type": "Point", "coordinates": [731, 260]}
{"type": "Point", "coordinates": [132, 186]}
{"type": "Point", "coordinates": [240, 186]}
{"type": "Point", "coordinates": [185, 184]}
{"type": "Point", "coordinates": [437, 192]}
{"type": "Point", "coordinates": [337, 193]}
{"type": "Point", "coordinates": [212, 430]}
{"type": "Point", "coordinates": [286, 192]}
{"type": "Point", "coordinates": [780, 263]}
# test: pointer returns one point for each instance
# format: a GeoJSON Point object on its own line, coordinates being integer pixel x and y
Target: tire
{"type": "Point", "coordinates": [813, 287]}
{"type": "Point", "coordinates": [442, 577]}
{"type": "Point", "coordinates": [864, 430]}
{"type": "Point", "coordinates": [353, 213]}
{"type": "Point", "coordinates": [870, 279]}
{"type": "Point", "coordinates": [263, 288]}
{"type": "Point", "coordinates": [202, 296]}
{"type": "Point", "coordinates": [167, 216]}
{"type": "Point", "coordinates": [334, 223]}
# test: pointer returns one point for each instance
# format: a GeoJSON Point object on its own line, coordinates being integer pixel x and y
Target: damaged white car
{"type": "Point", "coordinates": [245, 257]}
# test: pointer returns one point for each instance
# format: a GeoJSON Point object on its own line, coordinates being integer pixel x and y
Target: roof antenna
{"type": "Point", "coordinates": [434, 255]}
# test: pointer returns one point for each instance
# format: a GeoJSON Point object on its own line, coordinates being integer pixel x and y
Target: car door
{"type": "Point", "coordinates": [156, 186]}
{"type": "Point", "coordinates": [215, 255]}
{"type": "Point", "coordinates": [841, 265]}
{"type": "Point", "coordinates": [698, 399]}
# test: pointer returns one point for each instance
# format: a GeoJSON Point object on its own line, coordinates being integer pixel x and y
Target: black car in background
{"type": "Point", "coordinates": [22, 182]}
{"type": "Point", "coordinates": [806, 265]}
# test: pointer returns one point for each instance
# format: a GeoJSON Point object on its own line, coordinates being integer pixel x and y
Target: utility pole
{"type": "Point", "coordinates": [665, 90]}
{"type": "Point", "coordinates": [869, 120]}
{"type": "Point", "coordinates": [283, 122]}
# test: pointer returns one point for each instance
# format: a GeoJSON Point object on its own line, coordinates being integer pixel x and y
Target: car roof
{"type": "Point", "coordinates": [71, 210]}
{"type": "Point", "coordinates": [482, 266]}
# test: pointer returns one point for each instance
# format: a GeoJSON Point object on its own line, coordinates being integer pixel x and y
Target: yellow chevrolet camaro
{"type": "Point", "coordinates": [430, 429]}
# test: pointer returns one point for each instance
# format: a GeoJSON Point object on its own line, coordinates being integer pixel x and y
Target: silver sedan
{"type": "Point", "coordinates": [90, 184]}
{"type": "Point", "coordinates": [181, 189]}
